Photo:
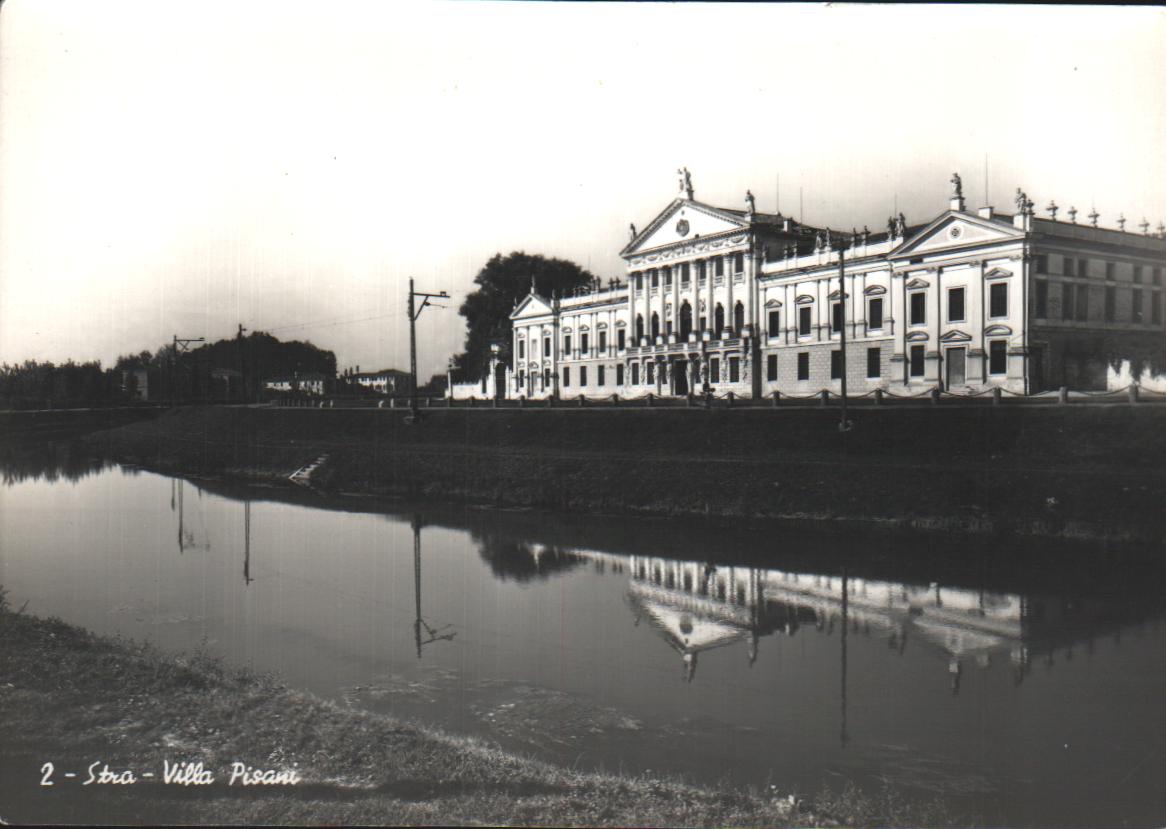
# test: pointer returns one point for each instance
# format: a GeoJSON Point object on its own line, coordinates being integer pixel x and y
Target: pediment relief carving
{"type": "Point", "coordinates": [875, 290]}
{"type": "Point", "coordinates": [956, 337]}
{"type": "Point", "coordinates": [804, 299]}
{"type": "Point", "coordinates": [917, 336]}
{"type": "Point", "coordinates": [918, 282]}
{"type": "Point", "coordinates": [773, 303]}
{"type": "Point", "coordinates": [997, 330]}
{"type": "Point", "coordinates": [998, 273]}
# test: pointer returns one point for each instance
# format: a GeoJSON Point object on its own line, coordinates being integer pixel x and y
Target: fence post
{"type": "Point", "coordinates": [688, 400]}
{"type": "Point", "coordinates": [614, 399]}
{"type": "Point", "coordinates": [823, 398]}
{"type": "Point", "coordinates": [550, 401]}
{"type": "Point", "coordinates": [997, 396]}
{"type": "Point", "coordinates": [521, 400]}
{"type": "Point", "coordinates": [648, 399]}
{"type": "Point", "coordinates": [776, 397]}
{"type": "Point", "coordinates": [878, 395]}
{"type": "Point", "coordinates": [1133, 391]}
{"type": "Point", "coordinates": [1063, 396]}
{"type": "Point", "coordinates": [935, 396]}
{"type": "Point", "coordinates": [581, 399]}
{"type": "Point", "coordinates": [493, 402]}
{"type": "Point", "coordinates": [729, 398]}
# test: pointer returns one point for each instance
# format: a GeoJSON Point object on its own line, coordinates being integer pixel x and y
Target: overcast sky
{"type": "Point", "coordinates": [179, 167]}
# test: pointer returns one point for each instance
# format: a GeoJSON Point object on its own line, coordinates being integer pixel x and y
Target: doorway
{"type": "Point", "coordinates": [680, 376]}
{"type": "Point", "coordinates": [957, 367]}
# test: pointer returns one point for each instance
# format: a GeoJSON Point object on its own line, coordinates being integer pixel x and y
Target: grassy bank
{"type": "Point", "coordinates": [73, 698]}
{"type": "Point", "coordinates": [1089, 472]}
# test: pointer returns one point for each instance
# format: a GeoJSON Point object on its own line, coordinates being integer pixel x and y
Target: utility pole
{"type": "Point", "coordinates": [414, 312]}
{"type": "Point", "coordinates": [182, 343]}
{"type": "Point", "coordinates": [242, 365]}
{"type": "Point", "coordinates": [844, 425]}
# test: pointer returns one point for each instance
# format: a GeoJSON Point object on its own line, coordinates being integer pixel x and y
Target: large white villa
{"type": "Point", "coordinates": [722, 300]}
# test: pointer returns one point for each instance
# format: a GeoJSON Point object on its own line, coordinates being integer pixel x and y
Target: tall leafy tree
{"type": "Point", "coordinates": [502, 283]}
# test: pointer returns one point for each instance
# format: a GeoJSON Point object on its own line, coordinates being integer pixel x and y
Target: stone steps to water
{"type": "Point", "coordinates": [303, 475]}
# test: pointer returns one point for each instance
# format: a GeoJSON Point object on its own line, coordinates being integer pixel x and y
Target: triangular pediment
{"type": "Point", "coordinates": [532, 305]}
{"type": "Point", "coordinates": [683, 221]}
{"type": "Point", "coordinates": [956, 230]}
{"type": "Point", "coordinates": [956, 337]}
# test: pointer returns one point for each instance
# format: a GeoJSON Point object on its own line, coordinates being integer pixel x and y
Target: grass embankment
{"type": "Point", "coordinates": [72, 698]}
{"type": "Point", "coordinates": [1055, 471]}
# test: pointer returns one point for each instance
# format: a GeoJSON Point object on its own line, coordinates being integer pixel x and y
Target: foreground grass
{"type": "Point", "coordinates": [71, 697]}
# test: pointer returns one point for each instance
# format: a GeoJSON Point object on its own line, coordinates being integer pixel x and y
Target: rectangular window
{"type": "Point", "coordinates": [635, 374]}
{"type": "Point", "coordinates": [582, 375]}
{"type": "Point", "coordinates": [1110, 271]}
{"type": "Point", "coordinates": [835, 365]}
{"type": "Point", "coordinates": [874, 314]}
{"type": "Point", "coordinates": [1042, 263]}
{"type": "Point", "coordinates": [720, 267]}
{"type": "Point", "coordinates": [704, 323]}
{"type": "Point", "coordinates": [917, 354]}
{"type": "Point", "coordinates": [701, 270]}
{"type": "Point", "coordinates": [1156, 308]}
{"type": "Point", "coordinates": [583, 343]}
{"type": "Point", "coordinates": [874, 363]}
{"type": "Point", "coordinates": [774, 323]}
{"type": "Point", "coordinates": [998, 299]}
{"type": "Point", "coordinates": [738, 262]}
{"type": "Point", "coordinates": [620, 339]}
{"type": "Point", "coordinates": [668, 277]}
{"type": "Point", "coordinates": [521, 349]}
{"type": "Point", "coordinates": [566, 376]}
{"type": "Point", "coordinates": [619, 374]}
{"type": "Point", "coordinates": [1156, 276]}
{"type": "Point", "coordinates": [1070, 268]}
{"type": "Point", "coordinates": [771, 367]}
{"type": "Point", "coordinates": [1137, 306]}
{"type": "Point", "coordinates": [1082, 267]}
{"type": "Point", "coordinates": [803, 365]}
{"type": "Point", "coordinates": [836, 317]}
{"type": "Point", "coordinates": [1067, 294]}
{"type": "Point", "coordinates": [1082, 303]}
{"type": "Point", "coordinates": [1110, 304]}
{"type": "Point", "coordinates": [734, 369]}
{"type": "Point", "coordinates": [804, 320]}
{"type": "Point", "coordinates": [684, 274]}
{"type": "Point", "coordinates": [546, 346]}
{"type": "Point", "coordinates": [714, 370]}
{"type": "Point", "coordinates": [602, 371]}
{"type": "Point", "coordinates": [955, 304]}
{"type": "Point", "coordinates": [567, 344]}
{"type": "Point", "coordinates": [602, 342]}
{"type": "Point", "coordinates": [997, 356]}
{"type": "Point", "coordinates": [1042, 299]}
{"type": "Point", "coordinates": [918, 308]}
{"type": "Point", "coordinates": [1137, 274]}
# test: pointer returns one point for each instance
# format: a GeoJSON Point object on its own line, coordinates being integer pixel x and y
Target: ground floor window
{"type": "Point", "coordinates": [734, 369]}
{"type": "Point", "coordinates": [602, 375]}
{"type": "Point", "coordinates": [635, 374]}
{"type": "Point", "coordinates": [714, 370]}
{"type": "Point", "coordinates": [803, 365]}
{"type": "Point", "coordinates": [874, 363]}
{"type": "Point", "coordinates": [619, 374]}
{"type": "Point", "coordinates": [998, 357]}
{"type": "Point", "coordinates": [649, 373]}
{"type": "Point", "coordinates": [546, 378]}
{"type": "Point", "coordinates": [582, 375]}
{"type": "Point", "coordinates": [566, 376]}
{"type": "Point", "coordinates": [771, 367]}
{"type": "Point", "coordinates": [917, 355]}
{"type": "Point", "coordinates": [835, 365]}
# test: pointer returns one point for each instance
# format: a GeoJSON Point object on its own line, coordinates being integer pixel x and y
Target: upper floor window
{"type": "Point", "coordinates": [998, 299]}
{"type": "Point", "coordinates": [774, 323]}
{"type": "Point", "coordinates": [1110, 304]}
{"type": "Point", "coordinates": [1137, 306]}
{"type": "Point", "coordinates": [521, 349]}
{"type": "Point", "coordinates": [874, 314]}
{"type": "Point", "coordinates": [603, 341]}
{"type": "Point", "coordinates": [546, 346]}
{"type": "Point", "coordinates": [620, 339]}
{"type": "Point", "coordinates": [583, 343]}
{"type": "Point", "coordinates": [1110, 271]}
{"type": "Point", "coordinates": [1042, 299]}
{"type": "Point", "coordinates": [805, 320]}
{"type": "Point", "coordinates": [918, 308]}
{"type": "Point", "coordinates": [567, 344]}
{"type": "Point", "coordinates": [1042, 263]}
{"type": "Point", "coordinates": [702, 270]}
{"type": "Point", "coordinates": [668, 277]}
{"type": "Point", "coordinates": [1156, 276]}
{"type": "Point", "coordinates": [1137, 274]}
{"type": "Point", "coordinates": [738, 262]}
{"type": "Point", "coordinates": [720, 266]}
{"type": "Point", "coordinates": [836, 317]}
{"type": "Point", "coordinates": [684, 274]}
{"type": "Point", "coordinates": [1070, 268]}
{"type": "Point", "coordinates": [655, 277]}
{"type": "Point", "coordinates": [955, 305]}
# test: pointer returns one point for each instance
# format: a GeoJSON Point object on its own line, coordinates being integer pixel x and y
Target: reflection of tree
{"type": "Point", "coordinates": [50, 461]}
{"type": "Point", "coordinates": [510, 558]}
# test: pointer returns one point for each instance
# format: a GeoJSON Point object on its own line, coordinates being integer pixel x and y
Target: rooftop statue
{"type": "Point", "coordinates": [957, 186]}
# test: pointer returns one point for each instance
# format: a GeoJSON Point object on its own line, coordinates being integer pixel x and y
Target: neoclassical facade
{"type": "Point", "coordinates": [720, 300]}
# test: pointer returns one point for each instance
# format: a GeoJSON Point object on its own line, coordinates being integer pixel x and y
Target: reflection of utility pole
{"type": "Point", "coordinates": [845, 738]}
{"type": "Point", "coordinates": [433, 634]}
{"type": "Point", "coordinates": [182, 343]}
{"type": "Point", "coordinates": [180, 529]}
{"type": "Point", "coordinates": [844, 425]}
{"type": "Point", "coordinates": [414, 313]}
{"type": "Point", "coordinates": [247, 543]}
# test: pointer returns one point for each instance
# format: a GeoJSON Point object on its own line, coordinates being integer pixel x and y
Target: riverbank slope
{"type": "Point", "coordinates": [1071, 472]}
{"type": "Point", "coordinates": [75, 699]}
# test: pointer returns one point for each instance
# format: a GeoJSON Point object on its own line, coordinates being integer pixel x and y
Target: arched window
{"type": "Point", "coordinates": [738, 317]}
{"type": "Point", "coordinates": [685, 320]}
{"type": "Point", "coordinates": [639, 328]}
{"type": "Point", "coordinates": [719, 321]}
{"type": "Point", "coordinates": [655, 325]}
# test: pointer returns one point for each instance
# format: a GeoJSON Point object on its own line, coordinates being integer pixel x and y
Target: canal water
{"type": "Point", "coordinates": [1024, 686]}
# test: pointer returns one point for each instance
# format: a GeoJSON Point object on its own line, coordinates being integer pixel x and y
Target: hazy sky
{"type": "Point", "coordinates": [180, 167]}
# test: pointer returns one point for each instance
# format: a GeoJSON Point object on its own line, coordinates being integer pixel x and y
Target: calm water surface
{"type": "Point", "coordinates": [1026, 695]}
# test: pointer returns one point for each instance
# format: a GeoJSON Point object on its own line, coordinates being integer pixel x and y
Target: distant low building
{"type": "Point", "coordinates": [386, 381]}
{"type": "Point", "coordinates": [306, 383]}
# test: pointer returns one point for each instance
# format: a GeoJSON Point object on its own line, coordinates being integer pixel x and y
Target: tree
{"type": "Point", "coordinates": [502, 283]}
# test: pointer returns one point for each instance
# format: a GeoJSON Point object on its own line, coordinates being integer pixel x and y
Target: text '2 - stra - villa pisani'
{"type": "Point", "coordinates": [720, 300]}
